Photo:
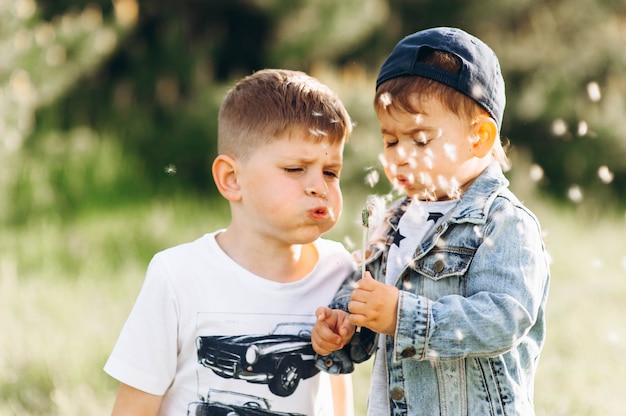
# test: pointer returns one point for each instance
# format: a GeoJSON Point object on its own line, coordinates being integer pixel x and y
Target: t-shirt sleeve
{"type": "Point", "coordinates": [145, 355]}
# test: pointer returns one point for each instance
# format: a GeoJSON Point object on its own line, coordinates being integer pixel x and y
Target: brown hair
{"type": "Point", "coordinates": [272, 102]}
{"type": "Point", "coordinates": [405, 93]}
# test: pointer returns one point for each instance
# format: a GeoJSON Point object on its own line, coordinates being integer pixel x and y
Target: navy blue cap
{"type": "Point", "coordinates": [480, 77]}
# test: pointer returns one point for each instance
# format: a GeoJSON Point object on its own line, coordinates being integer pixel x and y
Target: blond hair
{"type": "Point", "coordinates": [405, 93]}
{"type": "Point", "coordinates": [273, 102]}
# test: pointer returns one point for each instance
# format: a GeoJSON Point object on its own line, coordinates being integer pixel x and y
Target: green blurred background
{"type": "Point", "coordinates": [108, 127]}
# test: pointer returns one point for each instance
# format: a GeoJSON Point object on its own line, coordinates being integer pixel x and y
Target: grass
{"type": "Point", "coordinates": [59, 325]}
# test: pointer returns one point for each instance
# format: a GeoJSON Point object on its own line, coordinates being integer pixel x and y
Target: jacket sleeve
{"type": "Point", "coordinates": [503, 300]}
{"type": "Point", "coordinates": [363, 342]}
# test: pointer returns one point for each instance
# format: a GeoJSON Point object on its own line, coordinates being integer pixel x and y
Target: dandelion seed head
{"type": "Point", "coordinates": [593, 91]}
{"type": "Point", "coordinates": [536, 172]}
{"type": "Point", "coordinates": [559, 127]}
{"type": "Point", "coordinates": [377, 208]}
{"type": "Point", "coordinates": [605, 174]}
{"type": "Point", "coordinates": [575, 194]}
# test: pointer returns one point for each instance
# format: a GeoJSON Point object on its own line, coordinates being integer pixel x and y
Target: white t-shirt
{"type": "Point", "coordinates": [418, 219]}
{"type": "Point", "coordinates": [207, 333]}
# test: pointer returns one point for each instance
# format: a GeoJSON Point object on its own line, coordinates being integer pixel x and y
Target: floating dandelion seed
{"type": "Point", "coordinates": [385, 100]}
{"type": "Point", "coordinates": [575, 194]}
{"type": "Point", "coordinates": [559, 127]}
{"type": "Point", "coordinates": [347, 241]}
{"type": "Point", "coordinates": [450, 151]}
{"type": "Point", "coordinates": [605, 174]}
{"type": "Point", "coordinates": [459, 335]}
{"type": "Point", "coordinates": [170, 169]}
{"type": "Point", "coordinates": [597, 263]}
{"type": "Point", "coordinates": [372, 178]}
{"type": "Point", "coordinates": [583, 128]}
{"type": "Point", "coordinates": [593, 91]}
{"type": "Point", "coordinates": [613, 337]}
{"type": "Point", "coordinates": [536, 172]}
{"type": "Point", "coordinates": [318, 132]}
{"type": "Point", "coordinates": [477, 92]}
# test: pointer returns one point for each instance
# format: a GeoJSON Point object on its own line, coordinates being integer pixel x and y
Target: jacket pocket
{"type": "Point", "coordinates": [442, 272]}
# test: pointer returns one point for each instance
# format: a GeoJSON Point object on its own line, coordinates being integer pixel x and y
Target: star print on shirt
{"type": "Point", "coordinates": [397, 237]}
{"type": "Point", "coordinates": [434, 216]}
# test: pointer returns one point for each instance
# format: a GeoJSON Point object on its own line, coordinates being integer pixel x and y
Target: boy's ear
{"type": "Point", "coordinates": [224, 171]}
{"type": "Point", "coordinates": [486, 132]}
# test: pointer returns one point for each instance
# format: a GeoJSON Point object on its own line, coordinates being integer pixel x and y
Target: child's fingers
{"type": "Point", "coordinates": [322, 313]}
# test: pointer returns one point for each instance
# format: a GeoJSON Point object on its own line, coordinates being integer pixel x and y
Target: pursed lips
{"type": "Point", "coordinates": [319, 213]}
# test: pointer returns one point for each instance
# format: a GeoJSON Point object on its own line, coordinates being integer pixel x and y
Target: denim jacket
{"type": "Point", "coordinates": [471, 309]}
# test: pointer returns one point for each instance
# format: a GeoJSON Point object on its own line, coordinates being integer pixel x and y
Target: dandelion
{"type": "Point", "coordinates": [605, 174]}
{"type": "Point", "coordinates": [170, 169]}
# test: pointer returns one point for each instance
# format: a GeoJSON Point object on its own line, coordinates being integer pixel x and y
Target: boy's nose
{"type": "Point", "coordinates": [317, 188]}
{"type": "Point", "coordinates": [316, 192]}
{"type": "Point", "coordinates": [404, 154]}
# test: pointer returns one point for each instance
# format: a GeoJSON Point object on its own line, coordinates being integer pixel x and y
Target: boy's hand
{"type": "Point", "coordinates": [332, 330]}
{"type": "Point", "coordinates": [374, 305]}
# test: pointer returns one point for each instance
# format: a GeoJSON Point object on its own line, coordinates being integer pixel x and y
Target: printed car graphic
{"type": "Point", "coordinates": [279, 359]}
{"type": "Point", "coordinates": [227, 403]}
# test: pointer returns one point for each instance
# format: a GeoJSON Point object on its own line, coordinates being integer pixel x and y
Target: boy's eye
{"type": "Point", "coordinates": [331, 174]}
{"type": "Point", "coordinates": [389, 142]}
{"type": "Point", "coordinates": [293, 170]}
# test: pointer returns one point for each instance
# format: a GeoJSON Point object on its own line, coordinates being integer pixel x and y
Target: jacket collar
{"type": "Point", "coordinates": [476, 201]}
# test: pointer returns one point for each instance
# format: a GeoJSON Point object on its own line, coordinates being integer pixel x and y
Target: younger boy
{"type": "Point", "coordinates": [460, 273]}
{"type": "Point", "coordinates": [223, 323]}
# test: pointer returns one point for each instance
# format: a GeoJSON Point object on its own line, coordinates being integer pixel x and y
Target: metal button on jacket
{"type": "Point", "coordinates": [438, 266]}
{"type": "Point", "coordinates": [396, 393]}
{"type": "Point", "coordinates": [408, 352]}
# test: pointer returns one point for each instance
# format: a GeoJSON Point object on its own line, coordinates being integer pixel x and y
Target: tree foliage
{"type": "Point", "coordinates": [157, 85]}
